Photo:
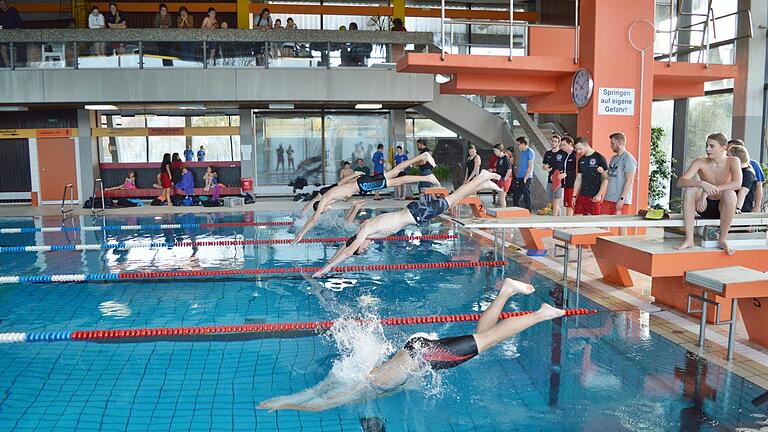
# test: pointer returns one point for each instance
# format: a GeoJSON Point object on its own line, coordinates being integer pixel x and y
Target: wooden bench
{"type": "Point", "coordinates": [152, 193]}
{"type": "Point", "coordinates": [659, 259]}
{"type": "Point", "coordinates": [733, 283]}
{"type": "Point", "coordinates": [578, 237]}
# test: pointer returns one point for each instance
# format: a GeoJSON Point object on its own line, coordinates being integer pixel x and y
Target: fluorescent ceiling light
{"type": "Point", "coordinates": [13, 108]}
{"type": "Point", "coordinates": [281, 106]}
{"type": "Point", "coordinates": [192, 107]}
{"type": "Point", "coordinates": [368, 106]}
{"type": "Point", "coordinates": [101, 107]}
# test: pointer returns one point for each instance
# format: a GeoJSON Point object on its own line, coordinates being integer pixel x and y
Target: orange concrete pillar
{"type": "Point", "coordinates": [606, 50]}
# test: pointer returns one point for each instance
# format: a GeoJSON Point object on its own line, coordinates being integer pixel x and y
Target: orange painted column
{"type": "Point", "coordinates": [605, 50]}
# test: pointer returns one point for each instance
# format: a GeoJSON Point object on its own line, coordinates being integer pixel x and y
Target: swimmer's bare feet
{"type": "Point", "coordinates": [511, 287]}
{"type": "Point", "coordinates": [687, 244]}
{"type": "Point", "coordinates": [488, 184]}
{"type": "Point", "coordinates": [726, 247]}
{"type": "Point", "coordinates": [549, 312]}
{"type": "Point", "coordinates": [489, 175]}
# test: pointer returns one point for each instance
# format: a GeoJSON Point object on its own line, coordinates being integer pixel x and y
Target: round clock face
{"type": "Point", "coordinates": [581, 87]}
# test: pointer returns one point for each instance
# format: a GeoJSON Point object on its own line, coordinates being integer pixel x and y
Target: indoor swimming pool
{"type": "Point", "coordinates": [606, 371]}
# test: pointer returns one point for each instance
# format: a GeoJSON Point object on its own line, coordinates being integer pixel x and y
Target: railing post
{"type": "Point", "coordinates": [12, 51]}
{"type": "Point", "coordinates": [205, 55]}
{"type": "Point", "coordinates": [442, 29]}
{"type": "Point", "coordinates": [511, 28]}
{"type": "Point", "coordinates": [141, 55]}
{"type": "Point", "coordinates": [327, 55]}
{"type": "Point", "coordinates": [75, 55]}
{"type": "Point", "coordinates": [576, 38]}
{"type": "Point", "coordinates": [266, 54]}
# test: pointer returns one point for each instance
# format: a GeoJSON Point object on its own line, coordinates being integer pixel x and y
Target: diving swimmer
{"type": "Point", "coordinates": [363, 184]}
{"type": "Point", "coordinates": [418, 354]}
{"type": "Point", "coordinates": [416, 212]}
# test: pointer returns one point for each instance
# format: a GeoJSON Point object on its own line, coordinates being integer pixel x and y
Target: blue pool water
{"type": "Point", "coordinates": [600, 372]}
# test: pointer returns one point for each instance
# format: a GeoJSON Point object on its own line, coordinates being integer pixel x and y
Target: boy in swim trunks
{"type": "Point", "coordinates": [416, 212]}
{"type": "Point", "coordinates": [418, 354]}
{"type": "Point", "coordinates": [362, 183]}
{"type": "Point", "coordinates": [714, 195]}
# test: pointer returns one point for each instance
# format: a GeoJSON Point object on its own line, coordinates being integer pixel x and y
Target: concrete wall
{"type": "Point", "coordinates": [221, 85]}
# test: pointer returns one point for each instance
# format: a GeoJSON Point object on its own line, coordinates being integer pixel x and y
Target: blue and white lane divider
{"type": "Point", "coordinates": [25, 230]}
{"type": "Point", "coordinates": [49, 336]}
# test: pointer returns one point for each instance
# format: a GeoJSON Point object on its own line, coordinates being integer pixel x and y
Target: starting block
{"type": "Point", "coordinates": [436, 192]}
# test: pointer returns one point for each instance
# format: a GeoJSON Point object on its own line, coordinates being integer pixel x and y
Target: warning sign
{"type": "Point", "coordinates": [616, 101]}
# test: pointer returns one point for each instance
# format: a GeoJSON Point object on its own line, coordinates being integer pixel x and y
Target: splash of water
{"type": "Point", "coordinates": [362, 346]}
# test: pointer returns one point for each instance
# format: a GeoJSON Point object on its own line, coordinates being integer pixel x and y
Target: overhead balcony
{"type": "Point", "coordinates": [310, 67]}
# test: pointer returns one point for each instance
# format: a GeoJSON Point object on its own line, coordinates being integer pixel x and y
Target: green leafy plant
{"type": "Point", "coordinates": [661, 171]}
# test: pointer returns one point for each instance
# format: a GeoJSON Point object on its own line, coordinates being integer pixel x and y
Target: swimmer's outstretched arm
{"type": "Point", "coordinates": [322, 205]}
{"type": "Point", "coordinates": [342, 254]}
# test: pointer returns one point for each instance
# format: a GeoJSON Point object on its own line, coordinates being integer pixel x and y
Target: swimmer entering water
{"type": "Point", "coordinates": [418, 354]}
{"type": "Point", "coordinates": [424, 209]}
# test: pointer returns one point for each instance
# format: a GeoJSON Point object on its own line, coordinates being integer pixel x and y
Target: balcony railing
{"type": "Point", "coordinates": [203, 48]}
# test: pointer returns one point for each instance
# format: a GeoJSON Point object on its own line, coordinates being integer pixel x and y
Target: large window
{"type": "Point", "coordinates": [150, 148]}
{"type": "Point", "coordinates": [662, 116]}
{"type": "Point", "coordinates": [288, 147]}
{"type": "Point", "coordinates": [706, 115]}
{"type": "Point", "coordinates": [351, 137]}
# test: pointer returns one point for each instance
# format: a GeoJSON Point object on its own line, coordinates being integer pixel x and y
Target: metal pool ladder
{"type": "Point", "coordinates": [103, 208]}
{"type": "Point", "coordinates": [65, 211]}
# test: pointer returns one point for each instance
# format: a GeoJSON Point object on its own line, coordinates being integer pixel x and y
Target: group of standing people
{"type": "Point", "coordinates": [579, 178]}
{"type": "Point", "coordinates": [175, 178]}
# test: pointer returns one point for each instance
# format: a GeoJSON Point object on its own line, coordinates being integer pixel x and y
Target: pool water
{"type": "Point", "coordinates": [607, 371]}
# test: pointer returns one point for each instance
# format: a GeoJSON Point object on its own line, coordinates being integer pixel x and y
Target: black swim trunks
{"type": "Point", "coordinates": [427, 207]}
{"type": "Point", "coordinates": [442, 353]}
{"type": "Point", "coordinates": [371, 183]}
{"type": "Point", "coordinates": [712, 211]}
{"type": "Point", "coordinates": [323, 190]}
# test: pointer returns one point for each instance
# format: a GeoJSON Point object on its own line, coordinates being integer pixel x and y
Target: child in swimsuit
{"type": "Point", "coordinates": [128, 184]}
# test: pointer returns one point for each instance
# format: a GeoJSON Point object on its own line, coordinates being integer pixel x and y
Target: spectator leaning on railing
{"type": "Point", "coordinates": [96, 21]}
{"type": "Point", "coordinates": [9, 19]}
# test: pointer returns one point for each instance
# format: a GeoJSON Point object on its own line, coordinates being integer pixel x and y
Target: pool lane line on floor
{"type": "Point", "coordinates": [154, 333]}
{"type": "Point", "coordinates": [264, 224]}
{"type": "Point", "coordinates": [187, 274]}
{"type": "Point", "coordinates": [148, 245]}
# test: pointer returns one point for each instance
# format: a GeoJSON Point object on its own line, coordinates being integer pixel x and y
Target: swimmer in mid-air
{"type": "Point", "coordinates": [416, 212]}
{"type": "Point", "coordinates": [418, 354]}
{"type": "Point", "coordinates": [362, 184]}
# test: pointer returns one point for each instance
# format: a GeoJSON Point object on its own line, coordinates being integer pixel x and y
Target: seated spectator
{"type": "Point", "coordinates": [759, 176]}
{"type": "Point", "coordinates": [361, 167]}
{"type": "Point", "coordinates": [186, 185]}
{"type": "Point", "coordinates": [397, 25]}
{"type": "Point", "coordinates": [713, 196]}
{"type": "Point", "coordinates": [208, 177]}
{"type": "Point", "coordinates": [9, 19]}
{"type": "Point", "coordinates": [96, 21]}
{"type": "Point", "coordinates": [745, 196]}
{"type": "Point", "coordinates": [263, 21]}
{"type": "Point", "coordinates": [128, 184]}
{"type": "Point", "coordinates": [213, 183]}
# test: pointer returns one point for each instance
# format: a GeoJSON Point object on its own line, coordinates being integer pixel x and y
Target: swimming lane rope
{"type": "Point", "coordinates": [143, 227]}
{"type": "Point", "coordinates": [317, 326]}
{"type": "Point", "coordinates": [133, 245]}
{"type": "Point", "coordinates": [186, 274]}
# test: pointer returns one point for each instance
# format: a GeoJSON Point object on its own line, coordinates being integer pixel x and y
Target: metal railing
{"type": "Point", "coordinates": [183, 48]}
{"type": "Point", "coordinates": [512, 24]}
{"type": "Point", "coordinates": [704, 47]}
{"type": "Point", "coordinates": [64, 210]}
